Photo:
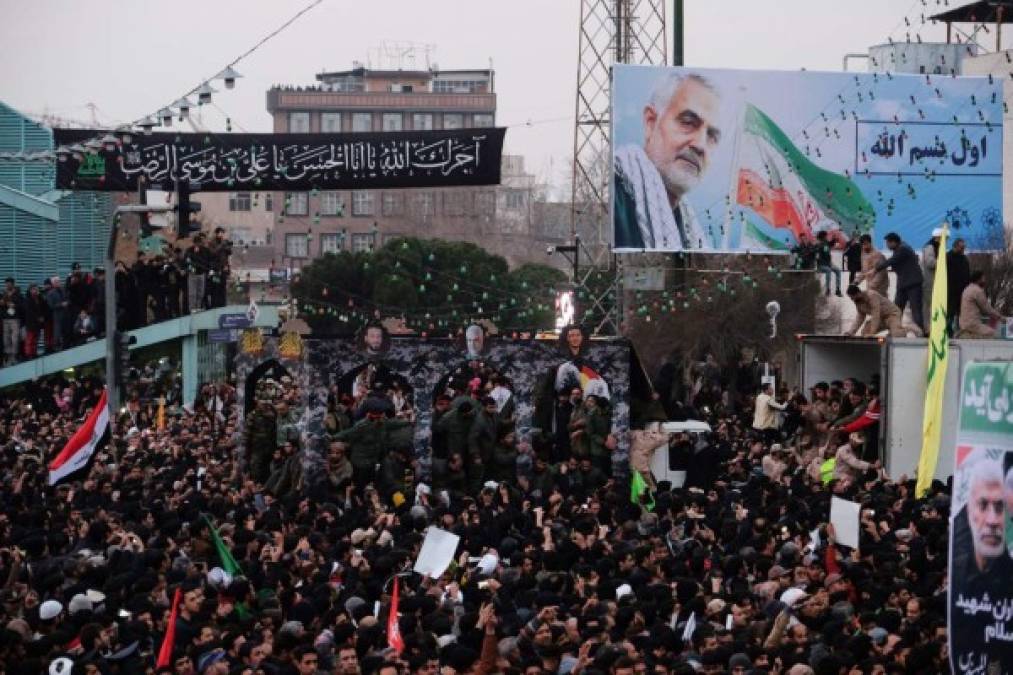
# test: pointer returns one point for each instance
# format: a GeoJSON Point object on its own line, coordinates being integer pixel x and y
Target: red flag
{"type": "Point", "coordinates": [394, 639]}
{"type": "Point", "coordinates": [165, 653]}
{"type": "Point", "coordinates": [81, 446]}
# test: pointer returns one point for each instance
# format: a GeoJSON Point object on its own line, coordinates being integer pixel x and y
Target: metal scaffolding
{"type": "Point", "coordinates": [611, 31]}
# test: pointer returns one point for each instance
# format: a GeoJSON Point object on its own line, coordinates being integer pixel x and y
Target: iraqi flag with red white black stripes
{"type": "Point", "coordinates": [82, 445]}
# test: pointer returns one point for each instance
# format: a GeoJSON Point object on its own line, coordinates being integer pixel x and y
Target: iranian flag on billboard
{"type": "Point", "coordinates": [779, 183]}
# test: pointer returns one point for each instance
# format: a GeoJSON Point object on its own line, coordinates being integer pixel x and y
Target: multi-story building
{"type": "Point", "coordinates": [305, 225]}
{"type": "Point", "coordinates": [43, 231]}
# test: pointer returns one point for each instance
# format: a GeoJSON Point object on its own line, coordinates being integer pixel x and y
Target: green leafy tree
{"type": "Point", "coordinates": [430, 283]}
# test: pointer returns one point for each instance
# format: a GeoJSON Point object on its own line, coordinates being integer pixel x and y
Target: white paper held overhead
{"type": "Point", "coordinates": [437, 552]}
{"type": "Point", "coordinates": [844, 516]}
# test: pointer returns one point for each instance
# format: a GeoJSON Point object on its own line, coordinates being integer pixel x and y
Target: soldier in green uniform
{"type": "Point", "coordinates": [369, 439]}
{"type": "Point", "coordinates": [482, 443]}
{"type": "Point", "coordinates": [260, 439]}
{"type": "Point", "coordinates": [287, 424]}
{"type": "Point", "coordinates": [456, 426]}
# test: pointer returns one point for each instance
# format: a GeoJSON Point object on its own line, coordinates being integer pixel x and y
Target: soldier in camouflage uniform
{"type": "Point", "coordinates": [260, 439]}
{"type": "Point", "coordinates": [288, 424]}
{"type": "Point", "coordinates": [369, 439]}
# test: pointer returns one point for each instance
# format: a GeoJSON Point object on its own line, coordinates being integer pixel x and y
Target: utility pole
{"type": "Point", "coordinates": [678, 36]}
{"type": "Point", "coordinates": [113, 336]}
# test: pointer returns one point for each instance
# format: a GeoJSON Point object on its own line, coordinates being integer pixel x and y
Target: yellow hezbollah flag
{"type": "Point", "coordinates": [938, 356]}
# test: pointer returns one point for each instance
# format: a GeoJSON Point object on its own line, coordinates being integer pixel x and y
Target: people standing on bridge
{"type": "Point", "coordinates": [198, 260]}
{"type": "Point", "coordinates": [98, 300]}
{"type": "Point", "coordinates": [12, 309]}
{"type": "Point", "coordinates": [220, 251]}
{"type": "Point", "coordinates": [137, 316]}
{"type": "Point", "coordinates": [36, 318]}
{"type": "Point", "coordinates": [56, 330]}
{"type": "Point", "coordinates": [84, 328]}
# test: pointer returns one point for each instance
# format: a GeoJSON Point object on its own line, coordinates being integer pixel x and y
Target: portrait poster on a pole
{"type": "Point", "coordinates": [980, 605]}
{"type": "Point", "coordinates": [732, 160]}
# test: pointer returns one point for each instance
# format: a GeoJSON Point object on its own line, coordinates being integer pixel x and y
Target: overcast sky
{"type": "Point", "coordinates": [130, 57]}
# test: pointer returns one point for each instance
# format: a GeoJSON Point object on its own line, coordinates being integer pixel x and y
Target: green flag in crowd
{"type": "Point", "coordinates": [229, 563]}
{"type": "Point", "coordinates": [638, 488]}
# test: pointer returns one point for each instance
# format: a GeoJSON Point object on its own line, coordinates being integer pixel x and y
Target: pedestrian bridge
{"type": "Point", "coordinates": [185, 328]}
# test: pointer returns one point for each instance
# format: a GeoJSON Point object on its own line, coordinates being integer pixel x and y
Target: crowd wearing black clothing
{"type": "Point", "coordinates": [57, 314]}
{"type": "Point", "coordinates": [559, 570]}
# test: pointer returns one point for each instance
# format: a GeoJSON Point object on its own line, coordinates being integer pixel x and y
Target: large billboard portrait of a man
{"type": "Point", "coordinates": [981, 566]}
{"type": "Point", "coordinates": [723, 161]}
{"type": "Point", "coordinates": [653, 179]}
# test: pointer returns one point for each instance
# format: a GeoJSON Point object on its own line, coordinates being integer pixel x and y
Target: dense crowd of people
{"type": "Point", "coordinates": [54, 313]}
{"type": "Point", "coordinates": [559, 569]}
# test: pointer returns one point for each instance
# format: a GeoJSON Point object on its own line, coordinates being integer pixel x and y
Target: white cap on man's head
{"type": "Point", "coordinates": [50, 609]}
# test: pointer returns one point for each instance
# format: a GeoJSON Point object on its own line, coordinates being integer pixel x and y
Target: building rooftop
{"type": "Point", "coordinates": [983, 11]}
{"type": "Point", "coordinates": [362, 71]}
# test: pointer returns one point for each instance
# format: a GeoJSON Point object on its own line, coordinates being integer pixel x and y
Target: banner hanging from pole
{"type": "Point", "coordinates": [228, 162]}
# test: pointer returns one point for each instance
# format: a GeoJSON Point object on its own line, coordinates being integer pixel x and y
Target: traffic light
{"type": "Point", "coordinates": [185, 207]}
{"type": "Point", "coordinates": [122, 346]}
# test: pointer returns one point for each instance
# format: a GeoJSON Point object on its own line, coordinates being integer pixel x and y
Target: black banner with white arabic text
{"type": "Point", "coordinates": [230, 162]}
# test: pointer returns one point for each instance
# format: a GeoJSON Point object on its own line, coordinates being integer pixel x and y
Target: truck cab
{"type": "Point", "coordinates": [667, 463]}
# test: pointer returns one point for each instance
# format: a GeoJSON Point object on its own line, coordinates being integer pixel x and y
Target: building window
{"type": "Point", "coordinates": [425, 204]}
{"type": "Point", "coordinates": [299, 123]}
{"type": "Point", "coordinates": [485, 203]}
{"type": "Point", "coordinates": [241, 234]}
{"type": "Point", "coordinates": [330, 123]}
{"type": "Point", "coordinates": [296, 245]}
{"type": "Point", "coordinates": [392, 121]}
{"type": "Point", "coordinates": [458, 86]}
{"type": "Point", "coordinates": [454, 202]}
{"type": "Point", "coordinates": [268, 201]}
{"type": "Point", "coordinates": [332, 243]}
{"type": "Point", "coordinates": [347, 83]}
{"type": "Point", "coordinates": [362, 243]}
{"type": "Point", "coordinates": [387, 238]}
{"type": "Point", "coordinates": [422, 121]}
{"type": "Point", "coordinates": [453, 120]}
{"type": "Point", "coordinates": [239, 201]}
{"type": "Point", "coordinates": [362, 203]}
{"type": "Point", "coordinates": [362, 121]}
{"type": "Point", "coordinates": [482, 120]}
{"type": "Point", "coordinates": [296, 204]}
{"type": "Point", "coordinates": [392, 204]}
{"type": "Point", "coordinates": [515, 199]}
{"type": "Point", "coordinates": [331, 203]}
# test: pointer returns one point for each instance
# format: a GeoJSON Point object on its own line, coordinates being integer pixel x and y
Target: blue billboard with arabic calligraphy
{"type": "Point", "coordinates": [734, 160]}
{"type": "Point", "coordinates": [228, 162]}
